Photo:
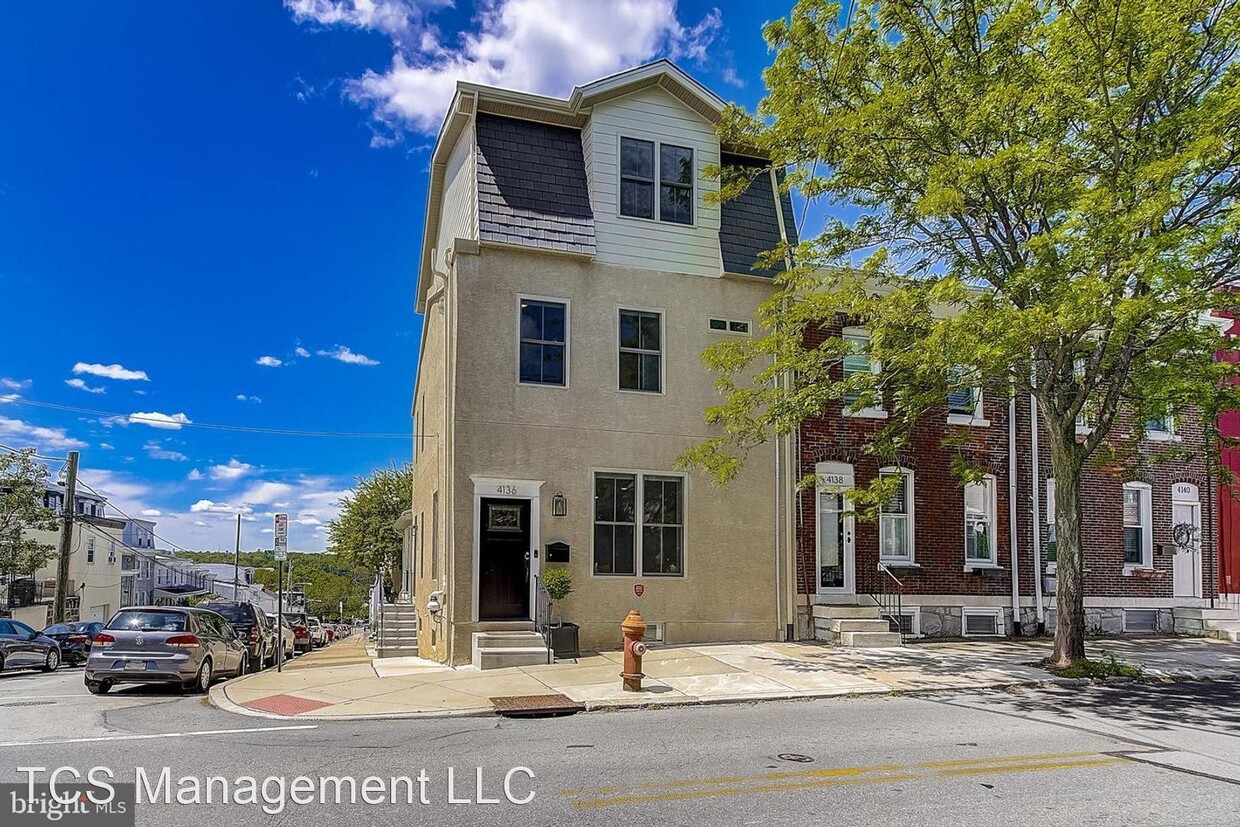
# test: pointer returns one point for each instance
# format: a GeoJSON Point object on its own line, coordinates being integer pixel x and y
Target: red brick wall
{"type": "Point", "coordinates": [939, 503]}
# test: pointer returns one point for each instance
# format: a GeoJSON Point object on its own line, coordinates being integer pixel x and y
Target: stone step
{"type": "Point", "coordinates": [510, 656]}
{"type": "Point", "coordinates": [1204, 613]}
{"type": "Point", "coordinates": [859, 624]}
{"type": "Point", "coordinates": [1223, 625]}
{"type": "Point", "coordinates": [870, 640]}
{"type": "Point", "coordinates": [402, 651]}
{"type": "Point", "coordinates": [507, 640]}
{"type": "Point", "coordinates": [833, 612]}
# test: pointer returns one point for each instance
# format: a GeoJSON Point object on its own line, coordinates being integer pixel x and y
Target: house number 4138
{"type": "Point", "coordinates": [507, 490]}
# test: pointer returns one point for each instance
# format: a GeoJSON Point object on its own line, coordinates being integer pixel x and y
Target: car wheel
{"type": "Point", "coordinates": [243, 667]}
{"type": "Point", "coordinates": [52, 661]}
{"type": "Point", "coordinates": [98, 687]}
{"type": "Point", "coordinates": [1, 663]}
{"type": "Point", "coordinates": [203, 682]}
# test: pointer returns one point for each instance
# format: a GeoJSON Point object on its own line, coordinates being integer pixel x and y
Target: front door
{"type": "Point", "coordinates": [835, 545]}
{"type": "Point", "coordinates": [504, 559]}
{"type": "Point", "coordinates": [1186, 537]}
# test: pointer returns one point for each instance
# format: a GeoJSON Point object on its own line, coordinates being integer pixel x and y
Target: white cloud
{"type": "Point", "coordinates": [38, 435]}
{"type": "Point", "coordinates": [18, 384]}
{"type": "Point", "coordinates": [194, 474]}
{"type": "Point", "coordinates": [267, 493]}
{"type": "Point", "coordinates": [151, 512]}
{"type": "Point", "coordinates": [342, 354]}
{"type": "Point", "coordinates": [212, 507]}
{"type": "Point", "coordinates": [269, 361]}
{"type": "Point", "coordinates": [82, 386]}
{"type": "Point", "coordinates": [200, 523]}
{"type": "Point", "coordinates": [156, 451]}
{"type": "Point", "coordinates": [302, 352]}
{"type": "Point", "coordinates": [110, 371]}
{"type": "Point", "coordinates": [104, 446]}
{"type": "Point", "coordinates": [268, 531]}
{"type": "Point", "coordinates": [543, 46]}
{"type": "Point", "coordinates": [9, 397]}
{"type": "Point", "coordinates": [155, 419]}
{"type": "Point", "coordinates": [241, 397]}
{"type": "Point", "coordinates": [232, 470]}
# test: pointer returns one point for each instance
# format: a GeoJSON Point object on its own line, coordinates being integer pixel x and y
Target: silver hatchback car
{"type": "Point", "coordinates": [164, 644]}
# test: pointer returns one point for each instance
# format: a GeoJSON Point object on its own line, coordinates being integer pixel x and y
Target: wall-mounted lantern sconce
{"type": "Point", "coordinates": [559, 505]}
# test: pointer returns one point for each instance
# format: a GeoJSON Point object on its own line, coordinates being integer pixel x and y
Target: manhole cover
{"type": "Point", "coordinates": [31, 703]}
{"type": "Point", "coordinates": [795, 758]}
{"type": "Point", "coordinates": [532, 706]}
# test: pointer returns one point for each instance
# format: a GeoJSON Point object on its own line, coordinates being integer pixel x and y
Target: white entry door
{"type": "Point", "coordinates": [835, 572]}
{"type": "Point", "coordinates": [1186, 540]}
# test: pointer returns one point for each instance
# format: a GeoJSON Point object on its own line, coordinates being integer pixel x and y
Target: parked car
{"type": "Point", "coordinates": [287, 636]}
{"type": "Point", "coordinates": [251, 623]}
{"type": "Point", "coordinates": [23, 648]}
{"type": "Point", "coordinates": [164, 644]}
{"type": "Point", "coordinates": [318, 634]}
{"type": "Point", "coordinates": [74, 639]}
{"type": "Point", "coordinates": [301, 631]}
{"type": "Point", "coordinates": [330, 632]}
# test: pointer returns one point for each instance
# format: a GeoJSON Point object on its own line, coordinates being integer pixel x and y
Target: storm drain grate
{"type": "Point", "coordinates": [30, 703]}
{"type": "Point", "coordinates": [534, 706]}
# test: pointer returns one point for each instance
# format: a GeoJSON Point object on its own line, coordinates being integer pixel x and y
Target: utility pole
{"type": "Point", "coordinates": [66, 539]}
{"type": "Point", "coordinates": [237, 562]}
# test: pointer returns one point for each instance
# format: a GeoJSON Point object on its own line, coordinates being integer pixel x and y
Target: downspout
{"type": "Point", "coordinates": [448, 572]}
{"type": "Point", "coordinates": [1013, 534]}
{"type": "Point", "coordinates": [1035, 495]}
{"type": "Point", "coordinates": [779, 562]}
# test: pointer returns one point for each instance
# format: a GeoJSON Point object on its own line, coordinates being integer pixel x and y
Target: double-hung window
{"type": "Point", "coordinates": [1052, 544]}
{"type": "Point", "coordinates": [856, 362]}
{"type": "Point", "coordinates": [641, 351]}
{"type": "Point", "coordinates": [895, 519]}
{"type": "Point", "coordinates": [1160, 427]}
{"type": "Point", "coordinates": [647, 169]}
{"type": "Point", "coordinates": [979, 523]}
{"type": "Point", "coordinates": [1138, 526]}
{"type": "Point", "coordinates": [544, 342]}
{"type": "Point", "coordinates": [648, 540]}
{"type": "Point", "coordinates": [964, 400]}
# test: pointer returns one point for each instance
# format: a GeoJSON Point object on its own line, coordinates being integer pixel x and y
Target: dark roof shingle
{"type": "Point", "coordinates": [749, 226]}
{"type": "Point", "coordinates": [532, 186]}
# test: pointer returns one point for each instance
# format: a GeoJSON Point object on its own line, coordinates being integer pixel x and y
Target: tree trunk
{"type": "Point", "coordinates": [1067, 462]}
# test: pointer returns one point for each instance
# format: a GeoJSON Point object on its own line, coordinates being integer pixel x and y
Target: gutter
{"type": "Point", "coordinates": [1035, 495]}
{"type": "Point", "coordinates": [1013, 534]}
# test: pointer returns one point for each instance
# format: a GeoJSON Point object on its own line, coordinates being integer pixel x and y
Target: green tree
{"type": "Point", "coordinates": [364, 534]}
{"type": "Point", "coordinates": [23, 482]}
{"type": "Point", "coordinates": [1041, 198]}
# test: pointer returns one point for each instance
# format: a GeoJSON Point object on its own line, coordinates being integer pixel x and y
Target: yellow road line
{"type": "Point", "coordinates": [838, 777]}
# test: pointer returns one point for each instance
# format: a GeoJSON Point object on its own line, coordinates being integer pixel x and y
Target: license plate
{"type": "Point", "coordinates": [135, 665]}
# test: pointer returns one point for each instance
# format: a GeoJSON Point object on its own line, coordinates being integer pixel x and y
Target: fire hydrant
{"type": "Point", "coordinates": [634, 630]}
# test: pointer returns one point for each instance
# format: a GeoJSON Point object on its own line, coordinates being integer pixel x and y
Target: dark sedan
{"type": "Point", "coordinates": [23, 648]}
{"type": "Point", "coordinates": [74, 639]}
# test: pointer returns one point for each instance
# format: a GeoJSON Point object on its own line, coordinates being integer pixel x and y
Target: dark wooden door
{"type": "Point", "coordinates": [504, 560]}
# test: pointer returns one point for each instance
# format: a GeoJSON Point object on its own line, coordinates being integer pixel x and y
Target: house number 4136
{"type": "Point", "coordinates": [507, 490]}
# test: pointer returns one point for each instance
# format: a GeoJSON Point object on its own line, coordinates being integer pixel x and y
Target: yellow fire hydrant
{"type": "Point", "coordinates": [634, 630]}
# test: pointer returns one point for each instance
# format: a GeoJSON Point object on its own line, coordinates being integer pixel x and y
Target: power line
{"type": "Point", "coordinates": [154, 420]}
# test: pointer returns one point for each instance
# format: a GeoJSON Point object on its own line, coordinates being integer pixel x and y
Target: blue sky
{"type": "Point", "coordinates": [186, 189]}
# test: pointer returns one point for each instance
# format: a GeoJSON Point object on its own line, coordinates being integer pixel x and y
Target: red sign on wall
{"type": "Point", "coordinates": [639, 589]}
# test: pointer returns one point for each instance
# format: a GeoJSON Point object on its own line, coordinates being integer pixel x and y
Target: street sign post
{"type": "Point", "coordinates": [281, 537]}
{"type": "Point", "coordinates": [281, 548]}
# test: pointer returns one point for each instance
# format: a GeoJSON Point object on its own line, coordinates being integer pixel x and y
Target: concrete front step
{"type": "Point", "coordinates": [870, 639]}
{"type": "Point", "coordinates": [835, 612]}
{"type": "Point", "coordinates": [847, 624]}
{"type": "Point", "coordinates": [402, 651]}
{"type": "Point", "coordinates": [506, 640]}
{"type": "Point", "coordinates": [1204, 613]}
{"type": "Point", "coordinates": [517, 656]}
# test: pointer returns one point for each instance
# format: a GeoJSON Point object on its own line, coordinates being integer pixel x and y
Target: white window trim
{"type": "Point", "coordinates": [90, 550]}
{"type": "Point", "coordinates": [914, 615]}
{"type": "Point", "coordinates": [637, 526]}
{"type": "Point", "coordinates": [991, 510]}
{"type": "Point", "coordinates": [1168, 435]}
{"type": "Point", "coordinates": [982, 611]}
{"type": "Point", "coordinates": [728, 323]}
{"type": "Point", "coordinates": [568, 337]}
{"type": "Point", "coordinates": [875, 368]}
{"type": "Point", "coordinates": [910, 522]}
{"type": "Point", "coordinates": [658, 144]}
{"type": "Point", "coordinates": [1147, 527]}
{"type": "Point", "coordinates": [978, 418]}
{"type": "Point", "coordinates": [662, 391]}
{"type": "Point", "coordinates": [1052, 566]}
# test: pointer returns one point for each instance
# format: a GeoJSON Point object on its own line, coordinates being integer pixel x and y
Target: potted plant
{"type": "Point", "coordinates": [558, 582]}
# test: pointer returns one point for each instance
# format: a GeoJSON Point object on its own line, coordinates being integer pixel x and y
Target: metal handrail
{"type": "Point", "coordinates": [887, 601]}
{"type": "Point", "coordinates": [542, 614]}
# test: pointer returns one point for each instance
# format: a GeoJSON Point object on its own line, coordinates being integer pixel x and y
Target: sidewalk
{"type": "Point", "coordinates": [344, 682]}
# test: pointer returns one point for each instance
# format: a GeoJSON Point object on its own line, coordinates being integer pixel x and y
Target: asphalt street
{"type": "Point", "coordinates": [1127, 754]}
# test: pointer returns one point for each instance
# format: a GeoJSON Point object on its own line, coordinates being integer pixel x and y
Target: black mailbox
{"type": "Point", "coordinates": [557, 553]}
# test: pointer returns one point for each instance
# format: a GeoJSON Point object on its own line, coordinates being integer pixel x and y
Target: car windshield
{"type": "Point", "coordinates": [148, 621]}
{"type": "Point", "coordinates": [59, 629]}
{"type": "Point", "coordinates": [232, 612]}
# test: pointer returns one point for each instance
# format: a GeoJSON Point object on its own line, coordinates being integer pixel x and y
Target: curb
{"type": "Point", "coordinates": [218, 698]}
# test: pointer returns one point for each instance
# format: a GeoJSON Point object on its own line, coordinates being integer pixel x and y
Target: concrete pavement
{"type": "Point", "coordinates": [344, 682]}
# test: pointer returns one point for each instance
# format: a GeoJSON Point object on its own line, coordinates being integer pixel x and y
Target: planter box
{"type": "Point", "coordinates": [564, 640]}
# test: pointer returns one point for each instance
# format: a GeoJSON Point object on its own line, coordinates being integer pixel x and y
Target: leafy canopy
{"type": "Point", "coordinates": [364, 533]}
{"type": "Point", "coordinates": [23, 482]}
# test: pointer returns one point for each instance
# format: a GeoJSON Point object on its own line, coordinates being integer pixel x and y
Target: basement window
{"type": "Point", "coordinates": [982, 622]}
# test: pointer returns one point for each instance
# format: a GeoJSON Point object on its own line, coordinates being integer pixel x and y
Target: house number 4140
{"type": "Point", "coordinates": [507, 490]}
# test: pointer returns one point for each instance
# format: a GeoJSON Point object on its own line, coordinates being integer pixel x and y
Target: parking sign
{"type": "Point", "coordinates": [281, 536]}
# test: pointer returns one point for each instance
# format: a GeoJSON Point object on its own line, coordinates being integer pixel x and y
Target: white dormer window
{"type": "Point", "coordinates": [649, 169]}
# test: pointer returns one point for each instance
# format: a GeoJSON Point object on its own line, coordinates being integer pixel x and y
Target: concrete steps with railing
{"type": "Point", "coordinates": [496, 650]}
{"type": "Point", "coordinates": [854, 626]}
{"type": "Point", "coordinates": [398, 631]}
